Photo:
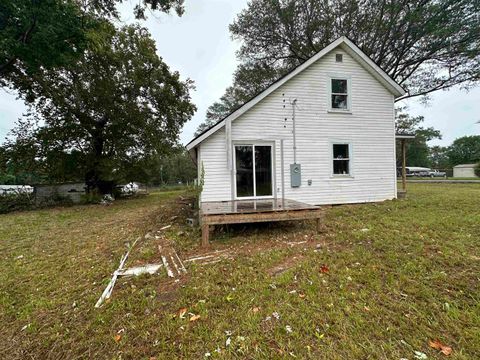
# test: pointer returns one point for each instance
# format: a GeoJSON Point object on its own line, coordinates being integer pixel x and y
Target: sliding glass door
{"type": "Point", "coordinates": [253, 165]}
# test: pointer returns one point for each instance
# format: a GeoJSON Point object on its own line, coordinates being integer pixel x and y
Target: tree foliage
{"type": "Point", "coordinates": [108, 8]}
{"type": "Point", "coordinates": [116, 106]}
{"type": "Point", "coordinates": [439, 157]}
{"type": "Point", "coordinates": [53, 33]}
{"type": "Point", "coordinates": [424, 45]}
{"type": "Point", "coordinates": [36, 34]}
{"type": "Point", "coordinates": [418, 152]}
{"type": "Point", "coordinates": [464, 150]}
{"type": "Point", "coordinates": [176, 167]}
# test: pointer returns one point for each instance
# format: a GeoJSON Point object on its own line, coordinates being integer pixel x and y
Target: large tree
{"type": "Point", "coordinates": [118, 104]}
{"type": "Point", "coordinates": [41, 34]}
{"type": "Point", "coordinates": [425, 45]}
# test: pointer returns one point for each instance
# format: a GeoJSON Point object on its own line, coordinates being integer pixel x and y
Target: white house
{"type": "Point", "coordinates": [464, 170]}
{"type": "Point", "coordinates": [322, 134]}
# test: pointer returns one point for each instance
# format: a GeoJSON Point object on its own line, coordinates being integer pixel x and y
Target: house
{"type": "Point", "coordinates": [464, 171]}
{"type": "Point", "coordinates": [322, 134]}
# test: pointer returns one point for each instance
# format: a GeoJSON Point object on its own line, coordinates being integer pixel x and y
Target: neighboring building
{"type": "Point", "coordinates": [322, 134]}
{"type": "Point", "coordinates": [54, 193]}
{"type": "Point", "coordinates": [464, 170]}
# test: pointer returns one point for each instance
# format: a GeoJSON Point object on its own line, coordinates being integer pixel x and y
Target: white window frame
{"type": "Point", "coordinates": [272, 154]}
{"type": "Point", "coordinates": [350, 160]}
{"type": "Point", "coordinates": [348, 110]}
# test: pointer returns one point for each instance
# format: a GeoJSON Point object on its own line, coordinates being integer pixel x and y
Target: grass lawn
{"type": "Point", "coordinates": [379, 283]}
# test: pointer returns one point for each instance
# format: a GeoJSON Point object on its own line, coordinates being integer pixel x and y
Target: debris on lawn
{"type": "Point", "coordinates": [436, 344]}
{"type": "Point", "coordinates": [420, 355]}
{"type": "Point", "coordinates": [191, 222]}
{"type": "Point", "coordinates": [294, 243]}
{"type": "Point", "coordinates": [181, 313]}
{"type": "Point", "coordinates": [118, 336]}
{"type": "Point", "coordinates": [108, 290]}
{"type": "Point", "coordinates": [211, 258]}
{"type": "Point", "coordinates": [194, 318]}
{"type": "Point", "coordinates": [107, 200]}
{"type": "Point", "coordinates": [324, 269]}
{"type": "Point", "coordinates": [165, 227]}
{"type": "Point", "coordinates": [167, 267]}
{"type": "Point", "coordinates": [170, 261]}
{"type": "Point", "coordinates": [170, 256]}
{"type": "Point", "coordinates": [288, 329]}
{"type": "Point", "coordinates": [139, 270]}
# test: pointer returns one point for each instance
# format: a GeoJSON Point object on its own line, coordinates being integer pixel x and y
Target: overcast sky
{"type": "Point", "coordinates": [198, 45]}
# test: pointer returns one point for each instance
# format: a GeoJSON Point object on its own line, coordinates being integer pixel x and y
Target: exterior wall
{"type": "Point", "coordinates": [369, 128]}
{"type": "Point", "coordinates": [217, 177]}
{"type": "Point", "coordinates": [45, 193]}
{"type": "Point", "coordinates": [460, 172]}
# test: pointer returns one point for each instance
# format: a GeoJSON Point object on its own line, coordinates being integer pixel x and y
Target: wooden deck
{"type": "Point", "coordinates": [251, 211]}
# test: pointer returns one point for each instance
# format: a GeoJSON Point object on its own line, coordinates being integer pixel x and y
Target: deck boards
{"type": "Point", "coordinates": [251, 211]}
{"type": "Point", "coordinates": [252, 206]}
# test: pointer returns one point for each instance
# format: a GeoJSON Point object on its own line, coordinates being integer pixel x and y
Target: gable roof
{"type": "Point", "coordinates": [347, 45]}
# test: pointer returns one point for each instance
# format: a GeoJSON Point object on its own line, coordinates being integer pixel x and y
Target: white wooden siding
{"type": "Point", "coordinates": [369, 128]}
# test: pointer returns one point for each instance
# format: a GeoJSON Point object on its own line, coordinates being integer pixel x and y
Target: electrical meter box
{"type": "Point", "coordinates": [295, 175]}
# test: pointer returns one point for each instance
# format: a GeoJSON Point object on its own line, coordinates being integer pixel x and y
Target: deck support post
{"type": "Point", "coordinates": [319, 225]}
{"type": "Point", "coordinates": [205, 234]}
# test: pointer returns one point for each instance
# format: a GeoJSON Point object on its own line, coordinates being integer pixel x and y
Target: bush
{"type": "Point", "coordinates": [16, 202]}
{"type": "Point", "coordinates": [56, 199]}
{"type": "Point", "coordinates": [477, 170]}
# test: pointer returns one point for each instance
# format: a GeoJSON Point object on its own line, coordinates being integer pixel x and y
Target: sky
{"type": "Point", "coordinates": [198, 45]}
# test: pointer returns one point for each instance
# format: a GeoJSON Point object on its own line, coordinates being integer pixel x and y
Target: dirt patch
{"type": "Point", "coordinates": [285, 265]}
{"type": "Point", "coordinates": [167, 290]}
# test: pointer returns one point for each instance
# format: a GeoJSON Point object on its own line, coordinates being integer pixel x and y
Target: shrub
{"type": "Point", "coordinates": [477, 170]}
{"type": "Point", "coordinates": [16, 202]}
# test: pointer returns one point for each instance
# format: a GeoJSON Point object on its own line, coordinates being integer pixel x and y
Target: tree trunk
{"type": "Point", "coordinates": [95, 174]}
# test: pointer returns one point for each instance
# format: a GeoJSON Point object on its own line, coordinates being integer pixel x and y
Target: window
{"type": "Point", "coordinates": [339, 57]}
{"type": "Point", "coordinates": [341, 159]}
{"type": "Point", "coordinates": [339, 94]}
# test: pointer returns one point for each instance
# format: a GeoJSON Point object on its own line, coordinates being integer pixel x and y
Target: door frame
{"type": "Point", "coordinates": [234, 161]}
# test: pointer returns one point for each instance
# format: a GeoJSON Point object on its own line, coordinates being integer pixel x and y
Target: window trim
{"type": "Point", "coordinates": [350, 174]}
{"type": "Point", "coordinates": [331, 109]}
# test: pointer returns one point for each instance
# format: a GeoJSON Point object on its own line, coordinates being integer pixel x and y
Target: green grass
{"type": "Point", "coordinates": [440, 178]}
{"type": "Point", "coordinates": [413, 276]}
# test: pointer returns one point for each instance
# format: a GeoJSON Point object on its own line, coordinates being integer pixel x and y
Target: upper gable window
{"type": "Point", "coordinates": [339, 94]}
{"type": "Point", "coordinates": [339, 57]}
